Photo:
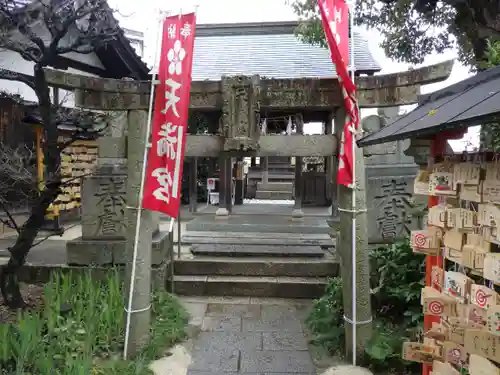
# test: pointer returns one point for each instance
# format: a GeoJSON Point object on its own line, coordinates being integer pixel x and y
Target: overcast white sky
{"type": "Point", "coordinates": [143, 15]}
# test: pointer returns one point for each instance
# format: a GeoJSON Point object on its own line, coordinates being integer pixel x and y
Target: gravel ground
{"type": "Point", "coordinates": [32, 295]}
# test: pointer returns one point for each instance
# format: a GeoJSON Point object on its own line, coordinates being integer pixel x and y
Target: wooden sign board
{"type": "Point", "coordinates": [418, 352]}
{"type": "Point", "coordinates": [437, 216]}
{"type": "Point", "coordinates": [481, 366]}
{"type": "Point", "coordinates": [492, 171]}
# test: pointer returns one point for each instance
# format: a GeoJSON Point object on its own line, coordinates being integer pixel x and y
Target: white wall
{"type": "Point", "coordinates": [13, 61]}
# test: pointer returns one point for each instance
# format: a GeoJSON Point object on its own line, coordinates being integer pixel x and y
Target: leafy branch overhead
{"type": "Point", "coordinates": [414, 29]}
{"type": "Point", "coordinates": [41, 31]}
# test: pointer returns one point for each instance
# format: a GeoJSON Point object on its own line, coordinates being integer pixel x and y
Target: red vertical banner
{"type": "Point", "coordinates": [162, 186]}
{"type": "Point", "coordinates": [337, 17]}
{"type": "Point", "coordinates": [334, 16]}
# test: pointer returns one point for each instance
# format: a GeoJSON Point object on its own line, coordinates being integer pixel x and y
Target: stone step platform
{"type": "Point", "coordinates": [256, 286]}
{"type": "Point", "coordinates": [273, 195]}
{"type": "Point", "coordinates": [252, 238]}
{"type": "Point", "coordinates": [275, 186]}
{"type": "Point", "coordinates": [280, 226]}
{"type": "Point", "coordinates": [257, 250]}
{"type": "Point", "coordinates": [256, 266]}
{"type": "Point", "coordinates": [283, 177]}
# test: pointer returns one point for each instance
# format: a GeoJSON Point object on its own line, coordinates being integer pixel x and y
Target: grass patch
{"type": "Point", "coordinates": [79, 330]}
{"type": "Point", "coordinates": [396, 278]}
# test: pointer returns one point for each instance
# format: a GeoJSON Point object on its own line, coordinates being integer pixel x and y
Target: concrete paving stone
{"type": "Point", "coordinates": [246, 341]}
{"type": "Point", "coordinates": [196, 311]}
{"type": "Point", "coordinates": [246, 311]}
{"type": "Point", "coordinates": [218, 361]}
{"type": "Point", "coordinates": [221, 323]}
{"type": "Point", "coordinates": [273, 312]}
{"type": "Point", "coordinates": [283, 341]}
{"type": "Point", "coordinates": [212, 373]}
{"type": "Point", "coordinates": [283, 324]}
{"type": "Point", "coordinates": [288, 362]}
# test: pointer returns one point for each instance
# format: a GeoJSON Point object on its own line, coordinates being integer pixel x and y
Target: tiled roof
{"type": "Point", "coordinates": [268, 49]}
{"type": "Point", "coordinates": [473, 101]}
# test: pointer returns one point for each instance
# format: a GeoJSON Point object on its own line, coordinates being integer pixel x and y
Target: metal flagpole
{"type": "Point", "coordinates": [141, 193]}
{"type": "Point", "coordinates": [353, 235]}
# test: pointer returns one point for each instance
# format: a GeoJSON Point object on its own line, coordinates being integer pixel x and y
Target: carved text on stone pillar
{"type": "Point", "coordinates": [240, 119]}
{"type": "Point", "coordinates": [111, 206]}
{"type": "Point", "coordinates": [393, 204]}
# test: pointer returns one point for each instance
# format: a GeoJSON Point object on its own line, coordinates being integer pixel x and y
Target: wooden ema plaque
{"type": "Point", "coordinates": [471, 193]}
{"type": "Point", "coordinates": [481, 366]}
{"type": "Point", "coordinates": [457, 285]}
{"type": "Point", "coordinates": [437, 277]}
{"type": "Point", "coordinates": [493, 320]}
{"type": "Point", "coordinates": [441, 183]}
{"type": "Point", "coordinates": [437, 216]}
{"type": "Point", "coordinates": [438, 304]}
{"type": "Point", "coordinates": [491, 269]}
{"type": "Point", "coordinates": [443, 368]}
{"type": "Point", "coordinates": [491, 192]}
{"type": "Point", "coordinates": [466, 174]}
{"type": "Point", "coordinates": [454, 239]}
{"type": "Point", "coordinates": [418, 352]}
{"type": "Point", "coordinates": [426, 241]}
{"type": "Point", "coordinates": [482, 343]}
{"type": "Point", "coordinates": [482, 296]}
{"type": "Point", "coordinates": [454, 353]}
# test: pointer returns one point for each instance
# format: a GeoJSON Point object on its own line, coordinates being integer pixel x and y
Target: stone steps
{"type": "Point", "coordinates": [275, 186]}
{"type": "Point", "coordinates": [274, 195]}
{"type": "Point", "coordinates": [244, 250]}
{"type": "Point", "coordinates": [256, 266]}
{"type": "Point", "coordinates": [254, 286]}
{"type": "Point", "coordinates": [256, 238]}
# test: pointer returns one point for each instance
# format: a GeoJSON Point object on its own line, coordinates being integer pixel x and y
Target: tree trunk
{"type": "Point", "coordinates": [9, 284]}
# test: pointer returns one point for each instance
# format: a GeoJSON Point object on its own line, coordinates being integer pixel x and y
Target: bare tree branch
{"type": "Point", "coordinates": [9, 75]}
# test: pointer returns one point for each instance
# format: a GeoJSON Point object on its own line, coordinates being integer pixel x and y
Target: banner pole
{"type": "Point", "coordinates": [354, 275]}
{"type": "Point", "coordinates": [141, 193]}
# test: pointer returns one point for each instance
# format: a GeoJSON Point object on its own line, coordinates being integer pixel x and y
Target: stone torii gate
{"type": "Point", "coordinates": [237, 103]}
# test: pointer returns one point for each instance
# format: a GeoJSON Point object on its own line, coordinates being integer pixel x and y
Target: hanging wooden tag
{"type": "Point", "coordinates": [471, 193]}
{"type": "Point", "coordinates": [455, 329]}
{"type": "Point", "coordinates": [418, 352]}
{"type": "Point", "coordinates": [481, 366]}
{"type": "Point", "coordinates": [421, 183]}
{"type": "Point", "coordinates": [482, 296]}
{"type": "Point", "coordinates": [477, 241]}
{"type": "Point", "coordinates": [453, 255]}
{"type": "Point", "coordinates": [457, 285]}
{"type": "Point", "coordinates": [466, 173]}
{"type": "Point", "coordinates": [441, 183]}
{"type": "Point", "coordinates": [491, 270]}
{"type": "Point", "coordinates": [454, 353]}
{"type": "Point", "coordinates": [493, 320]}
{"type": "Point", "coordinates": [468, 257]}
{"type": "Point", "coordinates": [437, 216]}
{"type": "Point", "coordinates": [492, 171]}
{"type": "Point", "coordinates": [443, 368]}
{"type": "Point", "coordinates": [483, 343]}
{"type": "Point", "coordinates": [491, 192]}
{"type": "Point", "coordinates": [426, 240]}
{"type": "Point", "coordinates": [468, 219]}
{"type": "Point", "coordinates": [437, 277]}
{"type": "Point", "coordinates": [452, 217]}
{"type": "Point", "coordinates": [476, 316]}
{"type": "Point", "coordinates": [437, 332]}
{"type": "Point", "coordinates": [438, 304]}
{"type": "Point", "coordinates": [454, 239]}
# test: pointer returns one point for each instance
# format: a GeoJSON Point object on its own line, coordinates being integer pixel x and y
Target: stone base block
{"type": "Point", "coordinates": [82, 252]}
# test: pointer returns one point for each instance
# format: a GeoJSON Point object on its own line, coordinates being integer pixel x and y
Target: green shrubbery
{"type": "Point", "coordinates": [397, 277]}
{"type": "Point", "coordinates": [80, 330]}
